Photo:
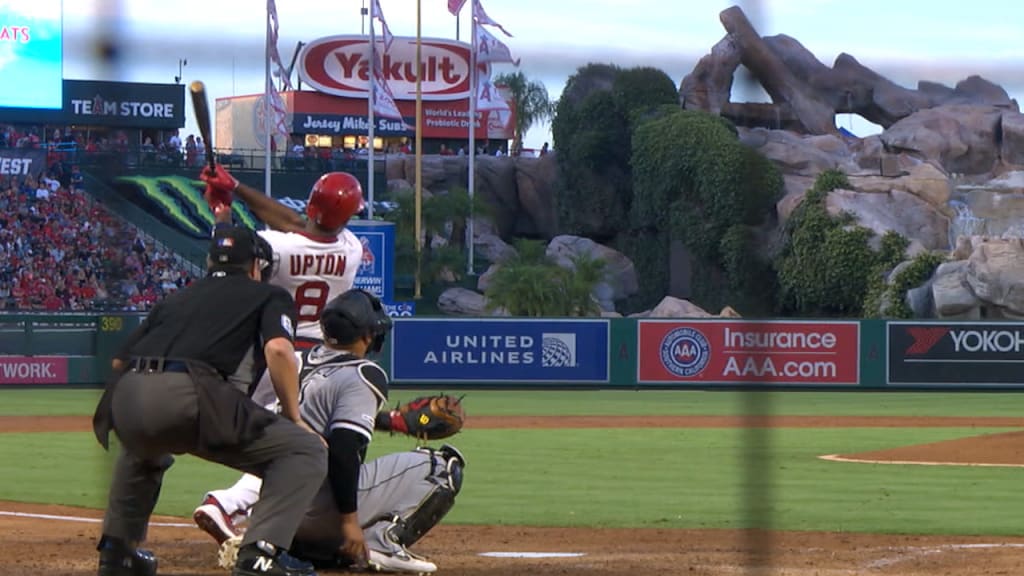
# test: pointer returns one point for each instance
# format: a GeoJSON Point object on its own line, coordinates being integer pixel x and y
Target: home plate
{"type": "Point", "coordinates": [532, 554]}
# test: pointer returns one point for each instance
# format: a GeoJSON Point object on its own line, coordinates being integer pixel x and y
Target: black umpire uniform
{"type": "Point", "coordinates": [181, 385]}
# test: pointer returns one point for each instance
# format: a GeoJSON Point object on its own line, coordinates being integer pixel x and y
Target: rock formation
{"type": "Point", "coordinates": [806, 94]}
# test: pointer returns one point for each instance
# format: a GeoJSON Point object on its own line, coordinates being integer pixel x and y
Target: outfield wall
{"type": "Point", "coordinates": [75, 349]}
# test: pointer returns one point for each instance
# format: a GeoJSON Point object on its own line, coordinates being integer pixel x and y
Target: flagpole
{"type": "Point", "coordinates": [419, 146]}
{"type": "Point", "coordinates": [268, 120]}
{"type": "Point", "coordinates": [472, 139]}
{"type": "Point", "coordinates": [369, 113]}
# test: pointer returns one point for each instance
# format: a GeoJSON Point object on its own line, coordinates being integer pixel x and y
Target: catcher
{"type": "Point", "coordinates": [366, 514]}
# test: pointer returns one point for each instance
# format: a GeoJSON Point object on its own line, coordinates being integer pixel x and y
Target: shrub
{"type": "Point", "coordinates": [827, 264]}
{"type": "Point", "coordinates": [889, 299]}
{"type": "Point", "coordinates": [696, 182]}
{"type": "Point", "coordinates": [532, 284]}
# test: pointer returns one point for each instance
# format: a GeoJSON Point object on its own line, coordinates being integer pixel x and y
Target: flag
{"type": "Point", "coordinates": [455, 6]}
{"type": "Point", "coordinates": [277, 121]}
{"type": "Point", "coordinates": [481, 17]}
{"type": "Point", "coordinates": [487, 95]}
{"type": "Point", "coordinates": [272, 53]}
{"type": "Point", "coordinates": [383, 98]}
{"type": "Point", "coordinates": [490, 49]}
{"type": "Point", "coordinates": [385, 31]}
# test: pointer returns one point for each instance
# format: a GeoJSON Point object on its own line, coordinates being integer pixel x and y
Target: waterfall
{"type": "Point", "coordinates": [964, 222]}
{"type": "Point", "coordinates": [994, 209]}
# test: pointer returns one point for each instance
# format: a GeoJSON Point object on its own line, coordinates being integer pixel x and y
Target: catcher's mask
{"type": "Point", "coordinates": [352, 315]}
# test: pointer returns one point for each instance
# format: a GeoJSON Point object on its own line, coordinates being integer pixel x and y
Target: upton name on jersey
{"type": "Point", "coordinates": [313, 270]}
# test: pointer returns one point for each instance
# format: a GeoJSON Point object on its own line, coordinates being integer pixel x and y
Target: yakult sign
{"type": "Point", "coordinates": [340, 65]}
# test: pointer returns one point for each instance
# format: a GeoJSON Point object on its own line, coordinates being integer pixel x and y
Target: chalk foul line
{"type": "Point", "coordinates": [87, 520]}
{"type": "Point", "coordinates": [838, 458]}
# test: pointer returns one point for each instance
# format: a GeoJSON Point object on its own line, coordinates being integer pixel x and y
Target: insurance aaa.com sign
{"type": "Point", "coordinates": [748, 352]}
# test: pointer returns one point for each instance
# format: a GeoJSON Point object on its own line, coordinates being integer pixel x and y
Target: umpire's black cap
{"type": "Point", "coordinates": [238, 246]}
{"type": "Point", "coordinates": [232, 246]}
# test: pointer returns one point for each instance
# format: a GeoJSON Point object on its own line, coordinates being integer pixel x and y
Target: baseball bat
{"type": "Point", "coordinates": [202, 111]}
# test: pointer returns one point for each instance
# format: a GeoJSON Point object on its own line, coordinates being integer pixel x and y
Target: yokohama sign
{"type": "Point", "coordinates": [956, 353]}
{"type": "Point", "coordinates": [340, 65]}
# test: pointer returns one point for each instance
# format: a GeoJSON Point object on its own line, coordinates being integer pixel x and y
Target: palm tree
{"type": "Point", "coordinates": [531, 102]}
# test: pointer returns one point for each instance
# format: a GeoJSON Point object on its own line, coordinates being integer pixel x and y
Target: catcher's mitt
{"type": "Point", "coordinates": [426, 417]}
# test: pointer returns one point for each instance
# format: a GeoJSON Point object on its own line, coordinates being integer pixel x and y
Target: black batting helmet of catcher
{"type": "Point", "coordinates": [352, 315]}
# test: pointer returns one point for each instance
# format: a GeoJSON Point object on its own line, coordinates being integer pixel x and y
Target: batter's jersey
{"type": "Point", "coordinates": [338, 390]}
{"type": "Point", "coordinates": [313, 270]}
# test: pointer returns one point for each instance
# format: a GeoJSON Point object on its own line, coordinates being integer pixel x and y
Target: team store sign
{"type": "Point", "coordinates": [748, 352]}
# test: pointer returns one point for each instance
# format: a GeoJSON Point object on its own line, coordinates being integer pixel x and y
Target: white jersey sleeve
{"type": "Point", "coordinates": [313, 269]}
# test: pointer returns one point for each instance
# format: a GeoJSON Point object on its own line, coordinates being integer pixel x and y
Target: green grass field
{"type": "Point", "coordinates": [669, 478]}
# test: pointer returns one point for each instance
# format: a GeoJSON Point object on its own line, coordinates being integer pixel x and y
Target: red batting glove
{"type": "Point", "coordinates": [216, 199]}
{"type": "Point", "coordinates": [220, 187]}
{"type": "Point", "coordinates": [220, 179]}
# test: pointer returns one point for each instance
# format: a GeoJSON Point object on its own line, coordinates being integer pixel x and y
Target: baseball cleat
{"type": "Point", "coordinates": [212, 519]}
{"type": "Point", "coordinates": [227, 556]}
{"type": "Point", "coordinates": [265, 559]}
{"type": "Point", "coordinates": [403, 561]}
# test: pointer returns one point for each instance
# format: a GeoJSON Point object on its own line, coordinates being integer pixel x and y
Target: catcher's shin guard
{"type": "Point", "coordinates": [407, 531]}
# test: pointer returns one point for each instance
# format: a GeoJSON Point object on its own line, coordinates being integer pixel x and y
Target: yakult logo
{"type": "Point", "coordinates": [340, 65]}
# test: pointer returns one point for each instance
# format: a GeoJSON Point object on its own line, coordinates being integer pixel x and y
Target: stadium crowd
{"type": "Point", "coordinates": [61, 250]}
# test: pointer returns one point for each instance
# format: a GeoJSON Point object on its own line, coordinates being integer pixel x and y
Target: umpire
{"type": "Point", "coordinates": [181, 384]}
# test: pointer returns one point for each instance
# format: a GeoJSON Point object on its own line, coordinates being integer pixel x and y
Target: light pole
{"type": "Point", "coordinates": [181, 64]}
{"type": "Point", "coordinates": [364, 12]}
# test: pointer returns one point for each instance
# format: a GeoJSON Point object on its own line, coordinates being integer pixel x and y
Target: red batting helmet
{"type": "Point", "coordinates": [335, 197]}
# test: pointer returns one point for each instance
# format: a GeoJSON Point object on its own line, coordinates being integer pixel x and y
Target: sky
{"type": "Point", "coordinates": [223, 40]}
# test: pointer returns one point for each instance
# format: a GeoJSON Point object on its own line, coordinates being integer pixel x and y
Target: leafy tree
{"type": "Point", "coordinates": [695, 182]}
{"type": "Point", "coordinates": [532, 284]}
{"type": "Point", "coordinates": [531, 102]}
{"type": "Point", "coordinates": [592, 131]}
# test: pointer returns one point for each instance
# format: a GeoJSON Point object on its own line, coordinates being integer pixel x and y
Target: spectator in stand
{"type": "Point", "coordinates": [190, 150]}
{"type": "Point", "coordinates": [77, 180]}
{"type": "Point", "coordinates": [200, 151]}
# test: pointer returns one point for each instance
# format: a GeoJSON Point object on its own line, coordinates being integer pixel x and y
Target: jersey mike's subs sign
{"type": "Point", "coordinates": [340, 65]}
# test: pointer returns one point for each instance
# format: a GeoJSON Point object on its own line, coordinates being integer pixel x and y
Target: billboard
{"type": "Point", "coordinates": [131, 104]}
{"type": "Point", "coordinates": [31, 54]}
{"type": "Point", "coordinates": [33, 370]}
{"type": "Point", "coordinates": [320, 113]}
{"type": "Point", "coordinates": [339, 65]}
{"type": "Point", "coordinates": [377, 269]}
{"type": "Point", "coordinates": [748, 352]}
{"type": "Point", "coordinates": [955, 353]}
{"type": "Point", "coordinates": [500, 350]}
{"type": "Point", "coordinates": [22, 161]}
